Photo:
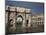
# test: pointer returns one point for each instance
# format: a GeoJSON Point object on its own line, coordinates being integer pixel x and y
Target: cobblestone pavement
{"type": "Point", "coordinates": [39, 28]}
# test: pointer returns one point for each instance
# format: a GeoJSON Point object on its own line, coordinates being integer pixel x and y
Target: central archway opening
{"type": "Point", "coordinates": [19, 20]}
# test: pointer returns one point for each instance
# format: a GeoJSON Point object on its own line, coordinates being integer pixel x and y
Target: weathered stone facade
{"type": "Point", "coordinates": [38, 23]}
{"type": "Point", "coordinates": [20, 19]}
{"type": "Point", "coordinates": [14, 13]}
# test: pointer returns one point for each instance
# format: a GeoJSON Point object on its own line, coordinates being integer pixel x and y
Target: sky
{"type": "Point", "coordinates": [36, 8]}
